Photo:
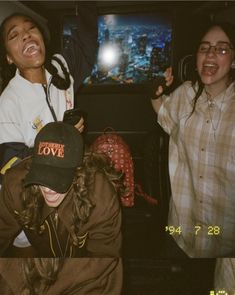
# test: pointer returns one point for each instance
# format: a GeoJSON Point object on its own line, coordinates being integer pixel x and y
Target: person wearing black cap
{"type": "Point", "coordinates": [67, 202]}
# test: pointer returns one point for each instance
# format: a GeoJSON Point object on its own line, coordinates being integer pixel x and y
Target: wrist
{"type": "Point", "coordinates": [157, 97]}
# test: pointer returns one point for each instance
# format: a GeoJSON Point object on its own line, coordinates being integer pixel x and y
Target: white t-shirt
{"type": "Point", "coordinates": [24, 109]}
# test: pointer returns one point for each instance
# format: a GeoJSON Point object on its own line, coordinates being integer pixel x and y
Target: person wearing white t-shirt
{"type": "Point", "coordinates": [37, 87]}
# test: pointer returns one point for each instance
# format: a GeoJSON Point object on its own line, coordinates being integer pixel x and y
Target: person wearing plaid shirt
{"type": "Point", "coordinates": [199, 116]}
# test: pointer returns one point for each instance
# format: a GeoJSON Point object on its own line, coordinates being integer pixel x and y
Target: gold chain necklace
{"type": "Point", "coordinates": [211, 106]}
{"type": "Point", "coordinates": [57, 238]}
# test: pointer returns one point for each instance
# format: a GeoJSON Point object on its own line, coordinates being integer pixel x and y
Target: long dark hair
{"type": "Point", "coordinates": [8, 71]}
{"type": "Point", "coordinates": [39, 274]}
{"type": "Point", "coordinates": [82, 206]}
{"type": "Point", "coordinates": [229, 30]}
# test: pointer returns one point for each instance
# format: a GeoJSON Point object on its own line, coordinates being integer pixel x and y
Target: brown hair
{"type": "Point", "coordinates": [85, 177]}
{"type": "Point", "coordinates": [229, 30]}
{"type": "Point", "coordinates": [39, 274]}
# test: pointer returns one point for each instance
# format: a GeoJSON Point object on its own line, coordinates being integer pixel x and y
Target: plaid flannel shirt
{"type": "Point", "coordinates": [202, 170]}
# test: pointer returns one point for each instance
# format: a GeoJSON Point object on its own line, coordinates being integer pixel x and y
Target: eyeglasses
{"type": "Point", "coordinates": [220, 48]}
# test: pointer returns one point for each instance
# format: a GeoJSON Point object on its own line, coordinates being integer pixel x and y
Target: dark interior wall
{"type": "Point", "coordinates": [190, 22]}
{"type": "Point", "coordinates": [122, 111]}
{"type": "Point", "coordinates": [189, 17]}
{"type": "Point", "coordinates": [132, 116]}
{"type": "Point", "coordinates": [130, 113]}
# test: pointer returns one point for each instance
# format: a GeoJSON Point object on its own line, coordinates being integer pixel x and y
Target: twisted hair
{"type": "Point", "coordinates": [229, 30]}
{"type": "Point", "coordinates": [8, 71]}
{"type": "Point", "coordinates": [39, 274]}
{"type": "Point", "coordinates": [30, 216]}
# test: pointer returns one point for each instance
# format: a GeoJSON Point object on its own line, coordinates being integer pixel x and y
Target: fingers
{"type": "Point", "coordinates": [168, 72]}
{"type": "Point", "coordinates": [159, 91]}
{"type": "Point", "coordinates": [168, 76]}
{"type": "Point", "coordinates": [168, 81]}
{"type": "Point", "coordinates": [81, 129]}
{"type": "Point", "coordinates": [80, 125]}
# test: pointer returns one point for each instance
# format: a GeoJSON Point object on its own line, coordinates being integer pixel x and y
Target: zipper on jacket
{"type": "Point", "coordinates": [48, 100]}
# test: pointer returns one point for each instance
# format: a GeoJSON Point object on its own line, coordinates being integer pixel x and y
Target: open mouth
{"type": "Point", "coordinates": [31, 48]}
{"type": "Point", "coordinates": [51, 199]}
{"type": "Point", "coordinates": [209, 68]}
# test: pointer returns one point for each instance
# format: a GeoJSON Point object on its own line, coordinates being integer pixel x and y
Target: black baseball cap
{"type": "Point", "coordinates": [58, 151]}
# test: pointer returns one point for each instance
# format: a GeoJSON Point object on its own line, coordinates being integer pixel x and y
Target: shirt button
{"type": "Point", "coordinates": [207, 121]}
{"type": "Point", "coordinates": [200, 176]}
{"type": "Point", "coordinates": [202, 149]}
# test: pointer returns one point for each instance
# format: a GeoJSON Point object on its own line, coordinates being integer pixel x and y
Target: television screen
{"type": "Point", "coordinates": [133, 48]}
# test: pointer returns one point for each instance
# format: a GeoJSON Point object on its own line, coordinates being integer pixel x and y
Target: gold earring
{"type": "Point", "coordinates": [9, 60]}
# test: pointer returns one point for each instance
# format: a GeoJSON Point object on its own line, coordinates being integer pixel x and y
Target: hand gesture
{"type": "Point", "coordinates": [168, 78]}
{"type": "Point", "coordinates": [80, 125]}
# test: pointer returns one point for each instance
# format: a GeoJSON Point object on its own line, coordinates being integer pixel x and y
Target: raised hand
{"type": "Point", "coordinates": [168, 78]}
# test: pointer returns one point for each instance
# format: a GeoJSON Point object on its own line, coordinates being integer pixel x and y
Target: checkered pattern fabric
{"type": "Point", "coordinates": [114, 146]}
{"type": "Point", "coordinates": [202, 170]}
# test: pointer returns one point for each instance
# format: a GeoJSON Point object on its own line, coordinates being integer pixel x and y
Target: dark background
{"type": "Point", "coordinates": [147, 271]}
